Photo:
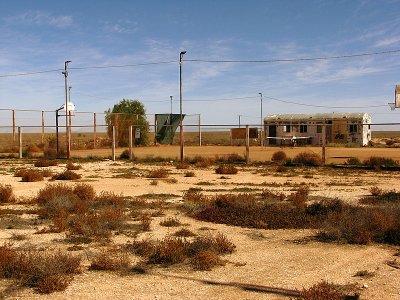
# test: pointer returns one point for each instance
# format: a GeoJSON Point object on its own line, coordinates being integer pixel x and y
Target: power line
{"type": "Point", "coordinates": [298, 59]}
{"type": "Point", "coordinates": [123, 66]}
{"type": "Point", "coordinates": [209, 61]}
{"type": "Point", "coordinates": [31, 73]}
{"type": "Point", "coordinates": [88, 68]}
{"type": "Point", "coordinates": [323, 106]}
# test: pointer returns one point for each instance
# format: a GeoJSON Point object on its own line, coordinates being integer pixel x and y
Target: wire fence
{"type": "Point", "coordinates": [38, 133]}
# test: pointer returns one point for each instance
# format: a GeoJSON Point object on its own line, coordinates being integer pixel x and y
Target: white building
{"type": "Point", "coordinates": [341, 128]}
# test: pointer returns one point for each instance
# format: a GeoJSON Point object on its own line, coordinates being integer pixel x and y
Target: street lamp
{"type": "Point", "coordinates": [180, 104]}
{"type": "Point", "coordinates": [65, 73]}
{"type": "Point", "coordinates": [261, 119]}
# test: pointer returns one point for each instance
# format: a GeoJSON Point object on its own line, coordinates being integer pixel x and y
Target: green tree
{"type": "Point", "coordinates": [124, 114]}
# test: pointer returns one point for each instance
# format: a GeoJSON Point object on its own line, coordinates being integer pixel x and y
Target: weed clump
{"type": "Point", "coordinates": [379, 196]}
{"type": "Point", "coordinates": [322, 290]}
{"type": "Point", "coordinates": [67, 175]}
{"type": "Point", "coordinates": [6, 194]}
{"type": "Point", "coordinates": [73, 167]}
{"type": "Point", "coordinates": [46, 271]}
{"type": "Point", "coordinates": [30, 175]}
{"type": "Point", "coordinates": [170, 222]}
{"type": "Point", "coordinates": [158, 173]}
{"type": "Point", "coordinates": [202, 252]}
{"type": "Point", "coordinates": [377, 161]}
{"type": "Point", "coordinates": [111, 260]}
{"type": "Point", "coordinates": [190, 174]}
{"type": "Point", "coordinates": [226, 169]}
{"type": "Point", "coordinates": [279, 156]}
{"type": "Point", "coordinates": [307, 159]}
{"type": "Point", "coordinates": [40, 163]}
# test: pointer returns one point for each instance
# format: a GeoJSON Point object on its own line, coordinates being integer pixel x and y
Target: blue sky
{"type": "Point", "coordinates": [41, 35]}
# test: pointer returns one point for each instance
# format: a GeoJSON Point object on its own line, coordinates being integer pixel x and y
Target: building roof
{"type": "Point", "coordinates": [320, 116]}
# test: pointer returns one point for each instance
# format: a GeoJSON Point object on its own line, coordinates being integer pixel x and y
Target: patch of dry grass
{"type": "Point", "coordinates": [46, 271]}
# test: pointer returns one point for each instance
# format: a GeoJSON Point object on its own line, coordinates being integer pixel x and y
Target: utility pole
{"type": "Point", "coordinates": [65, 73]}
{"type": "Point", "coordinates": [180, 104]}
{"type": "Point", "coordinates": [261, 122]}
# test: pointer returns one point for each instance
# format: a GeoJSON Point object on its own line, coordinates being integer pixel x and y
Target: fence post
{"type": "Point", "coordinates": [113, 143]}
{"type": "Point", "coordinates": [42, 127]}
{"type": "Point", "coordinates": [247, 144]}
{"type": "Point", "coordinates": [323, 144]}
{"type": "Point", "coordinates": [130, 142]}
{"type": "Point", "coordinates": [20, 142]}
{"type": "Point", "coordinates": [199, 129]}
{"type": "Point", "coordinates": [94, 130]}
{"type": "Point", "coordinates": [13, 126]}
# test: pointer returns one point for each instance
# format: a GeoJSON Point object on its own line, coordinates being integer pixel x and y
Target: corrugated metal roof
{"type": "Point", "coordinates": [319, 116]}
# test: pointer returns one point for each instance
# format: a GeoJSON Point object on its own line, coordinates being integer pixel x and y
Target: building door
{"type": "Point", "coordinates": [272, 134]}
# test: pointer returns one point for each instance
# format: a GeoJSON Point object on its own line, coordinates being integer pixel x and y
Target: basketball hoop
{"type": "Point", "coordinates": [392, 106]}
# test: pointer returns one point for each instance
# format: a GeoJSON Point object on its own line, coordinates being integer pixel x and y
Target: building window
{"type": "Point", "coordinates": [319, 128]}
{"type": "Point", "coordinates": [353, 128]}
{"type": "Point", "coordinates": [286, 128]}
{"type": "Point", "coordinates": [303, 128]}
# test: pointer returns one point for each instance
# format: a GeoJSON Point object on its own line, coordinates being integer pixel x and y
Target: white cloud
{"type": "Point", "coordinates": [387, 42]}
{"type": "Point", "coordinates": [40, 18]}
{"type": "Point", "coordinates": [122, 26]}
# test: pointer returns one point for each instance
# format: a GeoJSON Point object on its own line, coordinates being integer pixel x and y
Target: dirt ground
{"type": "Point", "coordinates": [286, 259]}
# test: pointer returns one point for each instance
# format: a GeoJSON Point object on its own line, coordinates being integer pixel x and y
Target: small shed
{"type": "Point", "coordinates": [341, 128]}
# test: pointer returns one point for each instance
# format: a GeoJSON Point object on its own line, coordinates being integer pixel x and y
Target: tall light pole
{"type": "Point", "coordinates": [171, 104]}
{"type": "Point", "coordinates": [261, 122]}
{"type": "Point", "coordinates": [180, 104]}
{"type": "Point", "coordinates": [239, 119]}
{"type": "Point", "coordinates": [65, 73]}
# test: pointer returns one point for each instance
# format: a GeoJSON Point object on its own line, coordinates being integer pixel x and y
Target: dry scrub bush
{"type": "Point", "coordinates": [190, 174]}
{"type": "Point", "coordinates": [124, 154]}
{"type": "Point", "coordinates": [307, 159]}
{"type": "Point", "coordinates": [278, 156]}
{"type": "Point", "coordinates": [30, 150]}
{"type": "Point", "coordinates": [32, 175]}
{"type": "Point", "coordinates": [173, 250]}
{"type": "Point", "coordinates": [110, 260]}
{"type": "Point", "coordinates": [231, 158]}
{"type": "Point", "coordinates": [67, 175]}
{"type": "Point", "coordinates": [45, 271]}
{"type": "Point", "coordinates": [380, 196]}
{"type": "Point", "coordinates": [158, 173]}
{"type": "Point", "coordinates": [145, 222]}
{"type": "Point", "coordinates": [363, 225]}
{"type": "Point", "coordinates": [170, 222]}
{"type": "Point", "coordinates": [71, 166]}
{"type": "Point", "coordinates": [6, 194]}
{"type": "Point", "coordinates": [45, 163]}
{"type": "Point", "coordinates": [226, 169]}
{"type": "Point", "coordinates": [353, 161]}
{"type": "Point", "coordinates": [299, 198]}
{"type": "Point", "coordinates": [206, 260]}
{"type": "Point", "coordinates": [248, 210]}
{"type": "Point", "coordinates": [377, 161]}
{"type": "Point", "coordinates": [322, 291]}
{"type": "Point", "coordinates": [202, 162]}
{"type": "Point", "coordinates": [79, 211]}
{"type": "Point", "coordinates": [182, 165]}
